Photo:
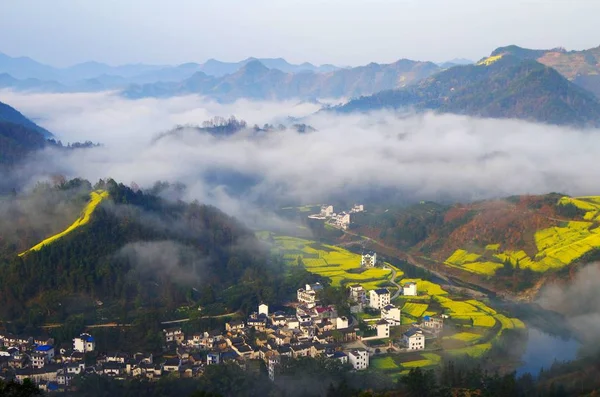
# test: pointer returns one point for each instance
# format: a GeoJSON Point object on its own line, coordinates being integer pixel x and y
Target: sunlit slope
{"type": "Point", "coordinates": [557, 246]}
{"type": "Point", "coordinates": [96, 198]}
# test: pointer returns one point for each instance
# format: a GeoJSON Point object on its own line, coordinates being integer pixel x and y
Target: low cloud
{"type": "Point", "coordinates": [169, 259]}
{"type": "Point", "coordinates": [579, 302]}
{"type": "Point", "coordinates": [353, 157]}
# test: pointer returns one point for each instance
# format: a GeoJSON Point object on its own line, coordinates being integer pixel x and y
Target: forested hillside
{"type": "Point", "coordinates": [16, 141]}
{"type": "Point", "coordinates": [137, 251]}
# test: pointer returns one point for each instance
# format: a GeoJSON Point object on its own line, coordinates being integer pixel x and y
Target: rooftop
{"type": "Point", "coordinates": [44, 348]}
{"type": "Point", "coordinates": [412, 331]}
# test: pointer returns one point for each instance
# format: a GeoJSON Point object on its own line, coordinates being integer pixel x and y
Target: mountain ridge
{"type": "Point", "coordinates": [257, 81]}
{"type": "Point", "coordinates": [500, 86]}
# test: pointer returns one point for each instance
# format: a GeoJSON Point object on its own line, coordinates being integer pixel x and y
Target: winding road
{"type": "Point", "coordinates": [393, 281]}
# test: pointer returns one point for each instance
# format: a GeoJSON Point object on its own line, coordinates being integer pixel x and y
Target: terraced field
{"type": "Point", "coordinates": [340, 265]}
{"type": "Point", "coordinates": [480, 324]}
{"type": "Point", "coordinates": [95, 200]}
{"type": "Point", "coordinates": [557, 246]}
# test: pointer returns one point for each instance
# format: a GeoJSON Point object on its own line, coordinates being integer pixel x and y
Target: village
{"type": "Point", "coordinates": [312, 330]}
{"type": "Point", "coordinates": [340, 220]}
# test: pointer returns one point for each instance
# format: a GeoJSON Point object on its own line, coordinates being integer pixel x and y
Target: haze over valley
{"type": "Point", "coordinates": [320, 207]}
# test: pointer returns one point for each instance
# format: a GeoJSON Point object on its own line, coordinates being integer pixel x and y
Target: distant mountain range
{"type": "Point", "coordinates": [255, 80]}
{"type": "Point", "coordinates": [26, 73]}
{"type": "Point", "coordinates": [501, 86]}
{"type": "Point", "coordinates": [552, 86]}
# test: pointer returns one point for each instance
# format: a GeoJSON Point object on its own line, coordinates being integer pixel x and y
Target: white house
{"type": "Point", "coordinates": [383, 329]}
{"type": "Point", "coordinates": [391, 313]}
{"type": "Point", "coordinates": [213, 358]}
{"type": "Point", "coordinates": [84, 343]}
{"type": "Point", "coordinates": [47, 350]}
{"type": "Point", "coordinates": [379, 298]}
{"type": "Point", "coordinates": [342, 220]}
{"type": "Point", "coordinates": [410, 289]}
{"type": "Point", "coordinates": [38, 360]}
{"type": "Point", "coordinates": [273, 366]}
{"type": "Point", "coordinates": [327, 210]}
{"type": "Point", "coordinates": [369, 259]}
{"type": "Point", "coordinates": [341, 322]}
{"type": "Point", "coordinates": [174, 334]}
{"type": "Point", "coordinates": [435, 323]}
{"type": "Point", "coordinates": [358, 293]}
{"type": "Point", "coordinates": [308, 295]}
{"type": "Point", "coordinates": [357, 208]}
{"type": "Point", "coordinates": [414, 339]}
{"type": "Point", "coordinates": [263, 309]}
{"type": "Point", "coordinates": [359, 359]}
{"type": "Point", "coordinates": [341, 356]}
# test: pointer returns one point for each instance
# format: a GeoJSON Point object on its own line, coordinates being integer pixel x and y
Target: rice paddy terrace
{"type": "Point", "coordinates": [555, 247]}
{"type": "Point", "coordinates": [472, 326]}
{"type": "Point", "coordinates": [96, 198]}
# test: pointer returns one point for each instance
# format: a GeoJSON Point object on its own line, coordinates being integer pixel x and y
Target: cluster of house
{"type": "Point", "coordinates": [340, 220]}
{"type": "Point", "coordinates": [313, 330]}
{"type": "Point", "coordinates": [390, 315]}
{"type": "Point", "coordinates": [37, 358]}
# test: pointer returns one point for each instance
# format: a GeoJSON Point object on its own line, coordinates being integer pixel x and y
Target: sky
{"type": "Point", "coordinates": [341, 32]}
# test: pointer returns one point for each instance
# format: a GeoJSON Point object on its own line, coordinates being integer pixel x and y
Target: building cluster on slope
{"type": "Point", "coordinates": [313, 330]}
{"type": "Point", "coordinates": [339, 220]}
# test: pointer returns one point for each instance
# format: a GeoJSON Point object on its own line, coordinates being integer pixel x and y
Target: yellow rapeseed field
{"type": "Point", "coordinates": [95, 200]}
{"type": "Point", "coordinates": [489, 60]}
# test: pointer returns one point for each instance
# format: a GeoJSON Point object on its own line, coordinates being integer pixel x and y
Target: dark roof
{"type": "Point", "coordinates": [389, 307]}
{"type": "Point", "coordinates": [381, 322]}
{"type": "Point", "coordinates": [412, 332]}
{"type": "Point", "coordinates": [112, 365]}
{"type": "Point", "coordinates": [284, 349]}
{"type": "Point", "coordinates": [381, 291]}
{"type": "Point", "coordinates": [244, 349]}
{"type": "Point", "coordinates": [426, 318]}
{"type": "Point", "coordinates": [339, 355]}
{"type": "Point", "coordinates": [172, 362]}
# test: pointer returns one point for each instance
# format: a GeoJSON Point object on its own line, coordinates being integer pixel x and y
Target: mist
{"type": "Point", "coordinates": [179, 263]}
{"type": "Point", "coordinates": [426, 156]}
{"type": "Point", "coordinates": [579, 302]}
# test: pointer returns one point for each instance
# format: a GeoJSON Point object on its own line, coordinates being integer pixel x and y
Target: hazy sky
{"type": "Point", "coordinates": [344, 32]}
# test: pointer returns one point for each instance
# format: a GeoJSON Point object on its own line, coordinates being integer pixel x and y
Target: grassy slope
{"type": "Point", "coordinates": [95, 200]}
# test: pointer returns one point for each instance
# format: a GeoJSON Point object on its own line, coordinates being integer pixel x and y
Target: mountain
{"type": "Point", "coordinates": [508, 243]}
{"type": "Point", "coordinates": [94, 76]}
{"type": "Point", "coordinates": [580, 67]}
{"type": "Point", "coordinates": [216, 68]}
{"type": "Point", "coordinates": [24, 68]}
{"type": "Point", "coordinates": [455, 62]}
{"type": "Point", "coordinates": [11, 115]}
{"type": "Point", "coordinates": [30, 84]}
{"type": "Point", "coordinates": [16, 141]}
{"type": "Point", "coordinates": [127, 246]}
{"type": "Point", "coordinates": [255, 80]}
{"type": "Point", "coordinates": [501, 86]}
